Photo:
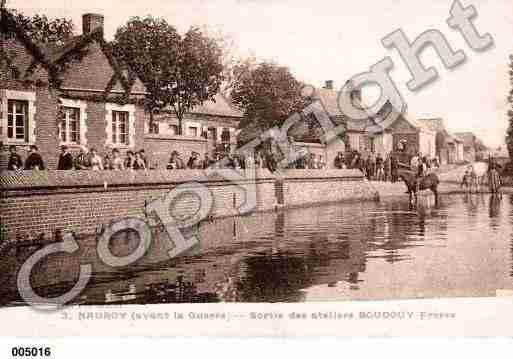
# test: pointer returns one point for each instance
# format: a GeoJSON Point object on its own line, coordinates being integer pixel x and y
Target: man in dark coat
{"type": "Point", "coordinates": [34, 160]}
{"type": "Point", "coordinates": [340, 161]}
{"type": "Point", "coordinates": [65, 159]}
{"type": "Point", "coordinates": [394, 167]}
{"type": "Point", "coordinates": [15, 163]}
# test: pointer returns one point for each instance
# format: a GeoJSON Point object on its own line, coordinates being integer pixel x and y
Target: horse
{"type": "Point", "coordinates": [414, 184]}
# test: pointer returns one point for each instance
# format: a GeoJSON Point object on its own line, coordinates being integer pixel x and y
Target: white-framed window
{"type": "Point", "coordinates": [173, 129]}
{"type": "Point", "coordinates": [120, 128]}
{"type": "Point", "coordinates": [17, 116]}
{"type": "Point", "coordinates": [192, 129]}
{"type": "Point", "coordinates": [69, 129]}
{"type": "Point", "coordinates": [225, 135]}
{"type": "Point", "coordinates": [73, 123]}
{"type": "Point", "coordinates": [17, 120]}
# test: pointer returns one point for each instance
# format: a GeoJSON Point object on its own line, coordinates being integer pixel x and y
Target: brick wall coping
{"type": "Point", "coordinates": [346, 174]}
{"type": "Point", "coordinates": [34, 180]}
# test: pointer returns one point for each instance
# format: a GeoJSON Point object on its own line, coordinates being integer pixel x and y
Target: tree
{"type": "Point", "coordinates": [38, 28]}
{"type": "Point", "coordinates": [509, 136]}
{"type": "Point", "coordinates": [178, 71]}
{"type": "Point", "coordinates": [267, 93]}
{"type": "Point", "coordinates": [43, 30]}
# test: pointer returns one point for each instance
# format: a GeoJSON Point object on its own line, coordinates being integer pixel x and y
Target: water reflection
{"type": "Point", "coordinates": [347, 251]}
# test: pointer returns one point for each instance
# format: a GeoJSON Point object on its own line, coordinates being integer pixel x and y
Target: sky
{"type": "Point", "coordinates": [335, 40]}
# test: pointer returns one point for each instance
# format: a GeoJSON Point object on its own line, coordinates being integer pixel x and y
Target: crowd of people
{"type": "Point", "coordinates": [384, 168]}
{"type": "Point", "coordinates": [90, 159]}
{"type": "Point", "coordinates": [374, 166]}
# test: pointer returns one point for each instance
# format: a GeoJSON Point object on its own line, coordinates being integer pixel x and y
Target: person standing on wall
{"type": "Point", "coordinates": [117, 161]}
{"type": "Point", "coordinates": [34, 160]}
{"type": "Point", "coordinates": [65, 159]}
{"type": "Point", "coordinates": [15, 162]}
{"type": "Point", "coordinates": [83, 160]}
{"type": "Point", "coordinates": [96, 161]}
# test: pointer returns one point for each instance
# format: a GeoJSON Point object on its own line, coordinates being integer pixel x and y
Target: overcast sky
{"type": "Point", "coordinates": [334, 40]}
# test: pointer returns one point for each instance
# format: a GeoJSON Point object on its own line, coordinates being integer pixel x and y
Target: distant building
{"type": "Point", "coordinates": [449, 148]}
{"type": "Point", "coordinates": [211, 127]}
{"type": "Point", "coordinates": [471, 145]}
{"type": "Point", "coordinates": [386, 132]}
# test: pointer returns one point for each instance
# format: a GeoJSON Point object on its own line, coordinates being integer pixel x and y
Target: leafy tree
{"type": "Point", "coordinates": [43, 30]}
{"type": "Point", "coordinates": [37, 28]}
{"type": "Point", "coordinates": [179, 71]}
{"type": "Point", "coordinates": [509, 136]}
{"type": "Point", "coordinates": [267, 93]}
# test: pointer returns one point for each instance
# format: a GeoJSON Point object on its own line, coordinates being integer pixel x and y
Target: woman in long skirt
{"type": "Point", "coordinates": [494, 179]}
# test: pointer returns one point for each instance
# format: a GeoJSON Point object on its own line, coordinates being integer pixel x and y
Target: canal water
{"type": "Point", "coordinates": [462, 247]}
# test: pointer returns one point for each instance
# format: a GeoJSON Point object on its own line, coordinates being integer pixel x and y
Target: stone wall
{"type": "Point", "coordinates": [309, 187]}
{"type": "Point", "coordinates": [35, 202]}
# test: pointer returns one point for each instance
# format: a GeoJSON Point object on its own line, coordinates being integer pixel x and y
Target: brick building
{"type": "Point", "coordinates": [449, 148]}
{"type": "Point", "coordinates": [471, 145]}
{"type": "Point", "coordinates": [77, 93]}
{"type": "Point", "coordinates": [383, 133]}
{"type": "Point", "coordinates": [73, 94]}
{"type": "Point", "coordinates": [208, 128]}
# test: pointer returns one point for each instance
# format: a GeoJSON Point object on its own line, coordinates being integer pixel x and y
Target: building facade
{"type": "Point", "coordinates": [207, 129]}
{"type": "Point", "coordinates": [77, 94]}
{"type": "Point", "coordinates": [449, 147]}
{"type": "Point", "coordinates": [386, 132]}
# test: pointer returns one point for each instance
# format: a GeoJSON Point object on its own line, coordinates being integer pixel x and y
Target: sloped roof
{"type": "Point", "coordinates": [10, 27]}
{"type": "Point", "coordinates": [385, 117]}
{"type": "Point", "coordinates": [329, 99]}
{"type": "Point", "coordinates": [219, 107]}
{"type": "Point", "coordinates": [452, 138]}
{"type": "Point", "coordinates": [54, 51]}
{"type": "Point", "coordinates": [468, 138]}
{"type": "Point", "coordinates": [434, 124]}
{"type": "Point", "coordinates": [61, 54]}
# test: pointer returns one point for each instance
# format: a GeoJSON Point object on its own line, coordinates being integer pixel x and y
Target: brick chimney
{"type": "Point", "coordinates": [356, 95]}
{"type": "Point", "coordinates": [91, 22]}
{"type": "Point", "coordinates": [328, 85]}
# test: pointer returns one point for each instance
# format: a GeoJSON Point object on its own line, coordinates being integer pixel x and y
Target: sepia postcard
{"type": "Point", "coordinates": [254, 168]}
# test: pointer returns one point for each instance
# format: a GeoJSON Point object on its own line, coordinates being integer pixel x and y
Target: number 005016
{"type": "Point", "coordinates": [22, 352]}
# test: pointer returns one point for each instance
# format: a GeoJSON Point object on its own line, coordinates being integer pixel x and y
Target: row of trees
{"type": "Point", "coordinates": [183, 71]}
